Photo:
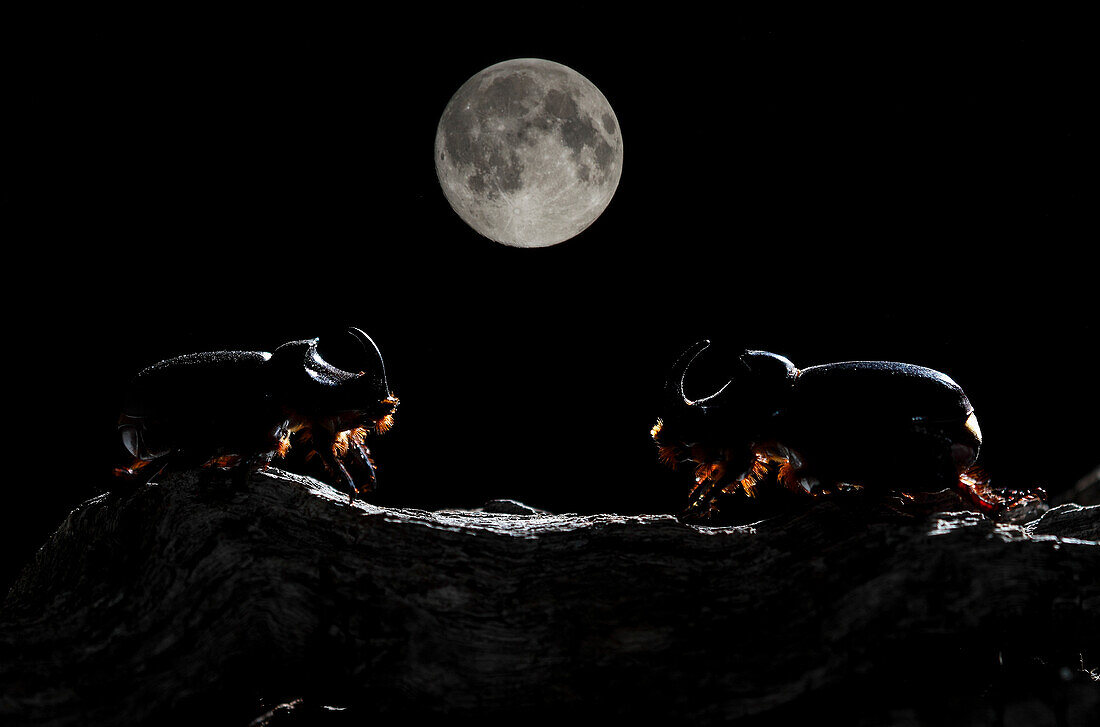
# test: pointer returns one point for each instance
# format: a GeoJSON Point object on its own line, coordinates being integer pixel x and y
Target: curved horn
{"type": "Point", "coordinates": [371, 349]}
{"type": "Point", "coordinates": [675, 384]}
{"type": "Point", "coordinates": [707, 399]}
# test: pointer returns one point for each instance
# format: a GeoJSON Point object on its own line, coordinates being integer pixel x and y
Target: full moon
{"type": "Point", "coordinates": [528, 152]}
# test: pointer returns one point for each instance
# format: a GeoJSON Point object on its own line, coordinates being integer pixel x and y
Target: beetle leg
{"type": "Point", "coordinates": [164, 461]}
{"type": "Point", "coordinates": [368, 461]}
{"type": "Point", "coordinates": [222, 462]}
{"type": "Point", "coordinates": [711, 481]}
{"type": "Point", "coordinates": [357, 442]}
{"type": "Point", "coordinates": [751, 479]}
{"type": "Point", "coordinates": [136, 466]}
{"type": "Point", "coordinates": [334, 465]}
{"type": "Point", "coordinates": [347, 480]}
{"type": "Point", "coordinates": [331, 448]}
{"type": "Point", "coordinates": [791, 472]}
{"type": "Point", "coordinates": [702, 497]}
{"type": "Point", "coordinates": [281, 440]}
{"type": "Point", "coordinates": [976, 489]}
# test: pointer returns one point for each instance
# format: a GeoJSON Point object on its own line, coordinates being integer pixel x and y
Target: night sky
{"type": "Point", "coordinates": [868, 194]}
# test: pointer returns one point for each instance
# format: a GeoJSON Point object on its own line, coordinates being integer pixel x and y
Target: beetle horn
{"type": "Point", "coordinates": [674, 387]}
{"type": "Point", "coordinates": [370, 348]}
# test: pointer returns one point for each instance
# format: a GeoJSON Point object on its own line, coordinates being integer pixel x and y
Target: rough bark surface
{"type": "Point", "coordinates": [196, 598]}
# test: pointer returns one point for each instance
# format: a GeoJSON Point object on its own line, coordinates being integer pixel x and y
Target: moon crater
{"type": "Point", "coordinates": [528, 152]}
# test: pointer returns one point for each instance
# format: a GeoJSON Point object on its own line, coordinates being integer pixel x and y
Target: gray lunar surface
{"type": "Point", "coordinates": [528, 152]}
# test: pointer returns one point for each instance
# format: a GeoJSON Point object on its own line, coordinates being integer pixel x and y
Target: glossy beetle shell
{"type": "Point", "coordinates": [243, 408]}
{"type": "Point", "coordinates": [855, 424]}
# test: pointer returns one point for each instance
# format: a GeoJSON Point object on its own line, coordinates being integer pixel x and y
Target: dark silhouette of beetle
{"type": "Point", "coordinates": [874, 425]}
{"type": "Point", "coordinates": [241, 409]}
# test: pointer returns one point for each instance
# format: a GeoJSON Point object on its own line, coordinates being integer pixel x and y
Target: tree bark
{"type": "Point", "coordinates": [199, 598]}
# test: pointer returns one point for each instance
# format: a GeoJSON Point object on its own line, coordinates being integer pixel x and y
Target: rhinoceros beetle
{"type": "Point", "coordinates": [241, 409]}
{"type": "Point", "coordinates": [851, 426]}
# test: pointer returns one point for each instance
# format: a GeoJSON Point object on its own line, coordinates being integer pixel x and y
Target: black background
{"type": "Point", "coordinates": [828, 192]}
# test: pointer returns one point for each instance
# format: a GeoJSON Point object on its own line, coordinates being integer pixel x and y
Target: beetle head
{"type": "Point", "coordinates": [305, 383]}
{"type": "Point", "coordinates": [738, 412]}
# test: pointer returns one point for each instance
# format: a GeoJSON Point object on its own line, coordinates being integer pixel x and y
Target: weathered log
{"type": "Point", "coordinates": [198, 598]}
{"type": "Point", "coordinates": [1085, 492]}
